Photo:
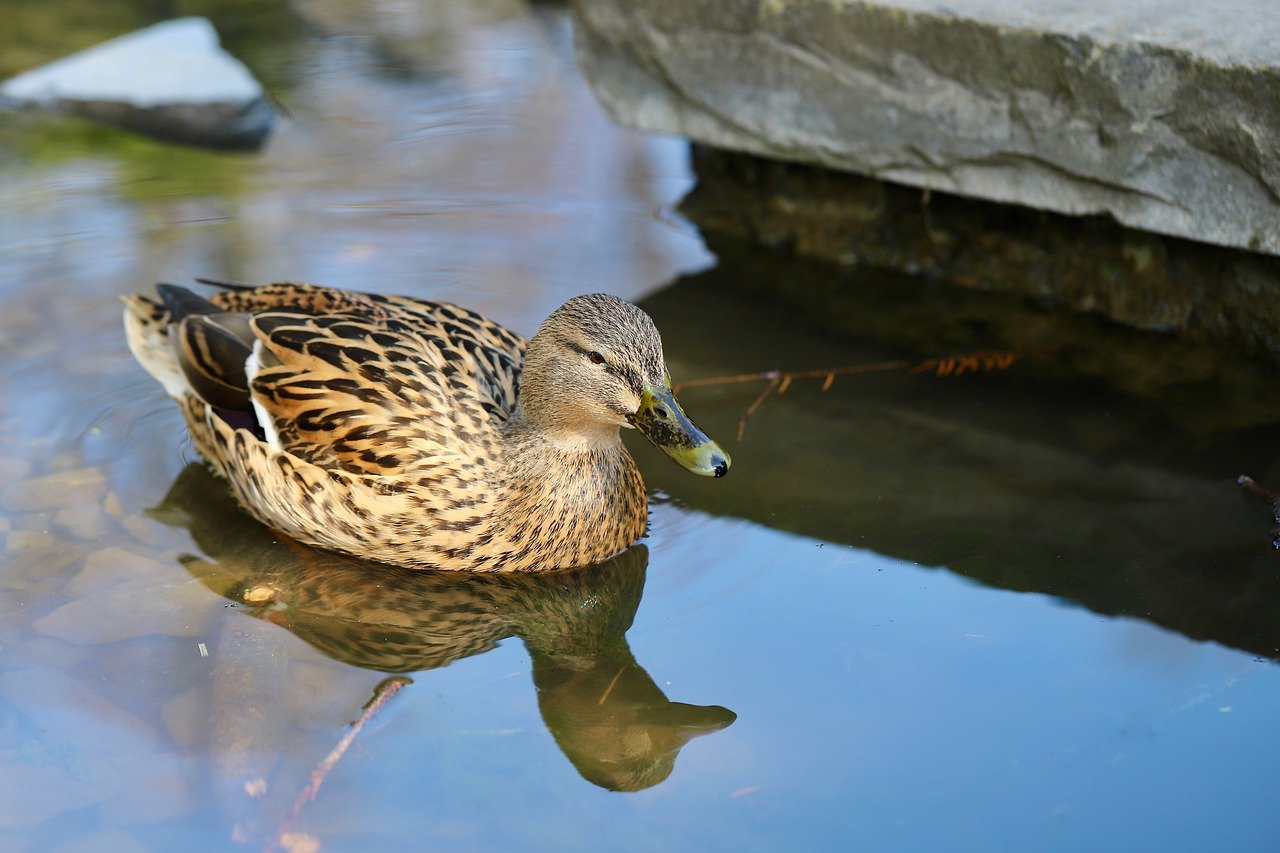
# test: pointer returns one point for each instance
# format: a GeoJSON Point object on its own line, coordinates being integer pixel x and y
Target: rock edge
{"type": "Point", "coordinates": [1073, 108]}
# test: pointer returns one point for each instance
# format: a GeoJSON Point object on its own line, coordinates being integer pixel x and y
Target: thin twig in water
{"type": "Point", "coordinates": [778, 381]}
{"type": "Point", "coordinates": [1256, 489]}
{"type": "Point", "coordinates": [755, 404]}
{"type": "Point", "coordinates": [1252, 486]}
{"type": "Point", "coordinates": [382, 694]}
{"type": "Point", "coordinates": [605, 696]}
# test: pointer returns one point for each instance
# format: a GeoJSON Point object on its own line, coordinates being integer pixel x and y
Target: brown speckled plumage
{"type": "Point", "coordinates": [397, 429]}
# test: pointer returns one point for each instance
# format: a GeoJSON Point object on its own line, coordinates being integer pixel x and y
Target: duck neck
{"type": "Point", "coordinates": [543, 460]}
{"type": "Point", "coordinates": [574, 498]}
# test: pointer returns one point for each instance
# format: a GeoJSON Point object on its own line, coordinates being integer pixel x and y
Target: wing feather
{"type": "Point", "coordinates": [491, 352]}
{"type": "Point", "coordinates": [378, 395]}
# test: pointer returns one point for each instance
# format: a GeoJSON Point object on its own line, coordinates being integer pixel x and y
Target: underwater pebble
{"type": "Point", "coordinates": [144, 529]}
{"type": "Point", "coordinates": [20, 541]}
{"type": "Point", "coordinates": [66, 710]}
{"type": "Point", "coordinates": [83, 521]}
{"type": "Point", "coordinates": [139, 608]}
{"type": "Point", "coordinates": [262, 594]}
{"type": "Point", "coordinates": [111, 567]}
{"type": "Point", "coordinates": [33, 559]}
{"type": "Point", "coordinates": [54, 491]}
{"type": "Point", "coordinates": [87, 747]}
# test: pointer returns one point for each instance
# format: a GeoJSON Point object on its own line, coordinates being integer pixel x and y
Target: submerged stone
{"type": "Point", "coordinates": [84, 521]}
{"type": "Point", "coordinates": [108, 569]}
{"type": "Point", "coordinates": [171, 81]}
{"type": "Point", "coordinates": [139, 605]}
{"type": "Point", "coordinates": [84, 748]}
{"type": "Point", "coordinates": [54, 491]}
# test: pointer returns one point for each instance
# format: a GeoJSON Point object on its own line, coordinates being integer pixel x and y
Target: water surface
{"type": "Point", "coordinates": [990, 611]}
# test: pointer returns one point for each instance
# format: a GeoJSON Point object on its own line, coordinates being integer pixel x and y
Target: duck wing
{"type": "Point", "coordinates": [369, 384]}
{"type": "Point", "coordinates": [368, 395]}
{"type": "Point", "coordinates": [492, 353]}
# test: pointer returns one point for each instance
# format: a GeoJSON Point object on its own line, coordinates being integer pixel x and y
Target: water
{"type": "Point", "coordinates": [992, 611]}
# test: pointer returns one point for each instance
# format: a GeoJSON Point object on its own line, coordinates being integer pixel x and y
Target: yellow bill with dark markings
{"type": "Point", "coordinates": [663, 422]}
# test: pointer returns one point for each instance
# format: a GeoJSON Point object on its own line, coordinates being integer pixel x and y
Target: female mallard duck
{"type": "Point", "coordinates": [420, 433]}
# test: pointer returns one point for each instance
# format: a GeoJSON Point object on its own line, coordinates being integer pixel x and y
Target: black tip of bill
{"type": "Point", "coordinates": [720, 465]}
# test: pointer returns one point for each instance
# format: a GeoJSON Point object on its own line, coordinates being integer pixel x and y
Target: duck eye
{"type": "Point", "coordinates": [595, 357]}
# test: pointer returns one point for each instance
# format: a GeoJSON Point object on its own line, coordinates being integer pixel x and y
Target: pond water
{"type": "Point", "coordinates": [995, 610]}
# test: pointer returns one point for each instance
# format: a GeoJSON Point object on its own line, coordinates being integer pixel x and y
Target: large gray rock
{"type": "Point", "coordinates": [1161, 114]}
{"type": "Point", "coordinates": [171, 81]}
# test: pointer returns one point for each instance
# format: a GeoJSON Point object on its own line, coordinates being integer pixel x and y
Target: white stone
{"type": "Point", "coordinates": [172, 62]}
{"type": "Point", "coordinates": [171, 81]}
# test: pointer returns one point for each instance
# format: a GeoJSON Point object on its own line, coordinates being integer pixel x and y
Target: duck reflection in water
{"type": "Point", "coordinates": [607, 715]}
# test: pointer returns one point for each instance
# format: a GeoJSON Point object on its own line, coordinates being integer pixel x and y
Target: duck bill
{"type": "Point", "coordinates": [663, 422]}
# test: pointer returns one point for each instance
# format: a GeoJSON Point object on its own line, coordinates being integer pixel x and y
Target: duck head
{"type": "Point", "coordinates": [595, 365]}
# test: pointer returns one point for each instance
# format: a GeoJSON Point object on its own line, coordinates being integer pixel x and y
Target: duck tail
{"type": "Point", "coordinates": [182, 302]}
{"type": "Point", "coordinates": [225, 284]}
{"type": "Point", "coordinates": [146, 325]}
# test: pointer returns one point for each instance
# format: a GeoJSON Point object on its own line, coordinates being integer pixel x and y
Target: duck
{"type": "Point", "coordinates": [418, 433]}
